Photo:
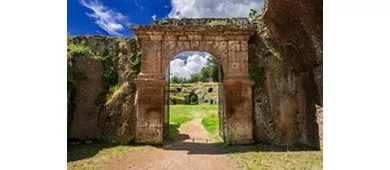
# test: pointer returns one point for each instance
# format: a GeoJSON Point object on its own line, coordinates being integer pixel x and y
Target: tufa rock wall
{"type": "Point", "coordinates": [288, 96]}
{"type": "Point", "coordinates": [101, 89]}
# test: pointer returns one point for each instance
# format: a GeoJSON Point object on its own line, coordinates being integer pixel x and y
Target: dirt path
{"type": "Point", "coordinates": [189, 151]}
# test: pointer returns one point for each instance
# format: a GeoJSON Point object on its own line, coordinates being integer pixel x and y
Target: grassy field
{"type": "Point", "coordinates": [261, 156]}
{"type": "Point", "coordinates": [180, 114]}
{"type": "Point", "coordinates": [211, 124]}
{"type": "Point", "coordinates": [92, 156]}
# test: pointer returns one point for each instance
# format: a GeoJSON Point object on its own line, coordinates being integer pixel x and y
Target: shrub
{"type": "Point", "coordinates": [257, 75]}
{"type": "Point", "coordinates": [136, 63]}
{"type": "Point", "coordinates": [193, 99]}
{"type": "Point", "coordinates": [252, 13]}
{"type": "Point", "coordinates": [163, 22]}
{"type": "Point", "coordinates": [110, 77]}
{"type": "Point", "coordinates": [77, 49]}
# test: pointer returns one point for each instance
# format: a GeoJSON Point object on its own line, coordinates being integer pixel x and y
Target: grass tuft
{"type": "Point", "coordinates": [215, 23]}
{"type": "Point", "coordinates": [112, 92]}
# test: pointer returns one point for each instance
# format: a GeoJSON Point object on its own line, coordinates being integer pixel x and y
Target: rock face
{"type": "Point", "coordinates": [97, 64]}
{"type": "Point", "coordinates": [88, 89]}
{"type": "Point", "coordinates": [288, 46]}
{"type": "Point", "coordinates": [117, 118]}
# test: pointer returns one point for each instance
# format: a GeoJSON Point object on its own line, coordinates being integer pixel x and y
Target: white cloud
{"type": "Point", "coordinates": [194, 65]}
{"type": "Point", "coordinates": [214, 8]}
{"type": "Point", "coordinates": [153, 17]}
{"type": "Point", "coordinates": [107, 19]}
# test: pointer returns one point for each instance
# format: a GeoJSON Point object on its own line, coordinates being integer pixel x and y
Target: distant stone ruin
{"type": "Point", "coordinates": [201, 90]}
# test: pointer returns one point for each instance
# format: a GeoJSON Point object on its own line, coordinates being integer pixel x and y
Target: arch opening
{"type": "Point", "coordinates": [190, 76]}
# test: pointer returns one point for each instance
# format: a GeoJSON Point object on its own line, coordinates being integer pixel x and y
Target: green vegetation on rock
{"type": "Point", "coordinates": [215, 23]}
{"type": "Point", "coordinates": [252, 13]}
{"type": "Point", "coordinates": [257, 75]}
{"type": "Point", "coordinates": [276, 54]}
{"type": "Point", "coordinates": [111, 92]}
{"type": "Point", "coordinates": [77, 49]}
{"type": "Point", "coordinates": [163, 22]}
{"type": "Point", "coordinates": [136, 63]}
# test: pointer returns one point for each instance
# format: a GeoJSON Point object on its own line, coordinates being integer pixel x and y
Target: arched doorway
{"type": "Point", "coordinates": [227, 41]}
{"type": "Point", "coordinates": [194, 79]}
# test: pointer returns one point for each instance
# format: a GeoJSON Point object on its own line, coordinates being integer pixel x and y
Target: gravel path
{"type": "Point", "coordinates": [190, 150]}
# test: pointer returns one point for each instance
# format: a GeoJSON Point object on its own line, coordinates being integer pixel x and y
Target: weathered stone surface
{"type": "Point", "coordinates": [208, 35]}
{"type": "Point", "coordinates": [288, 46]}
{"type": "Point", "coordinates": [150, 112]}
{"type": "Point", "coordinates": [194, 37]}
{"type": "Point", "coordinates": [85, 115]}
{"type": "Point", "coordinates": [117, 119]}
{"type": "Point", "coordinates": [239, 128]}
{"type": "Point", "coordinates": [92, 118]}
{"type": "Point", "coordinates": [198, 24]}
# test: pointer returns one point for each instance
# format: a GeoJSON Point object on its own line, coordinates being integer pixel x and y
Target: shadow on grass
{"type": "Point", "coordinates": [173, 132]}
{"type": "Point", "coordinates": [84, 151]}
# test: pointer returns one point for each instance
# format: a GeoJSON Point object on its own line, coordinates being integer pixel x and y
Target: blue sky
{"type": "Point", "coordinates": [133, 11]}
{"type": "Point", "coordinates": [114, 17]}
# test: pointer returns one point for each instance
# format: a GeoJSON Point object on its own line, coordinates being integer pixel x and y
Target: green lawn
{"type": "Point", "coordinates": [180, 114]}
{"type": "Point", "coordinates": [261, 156]}
{"type": "Point", "coordinates": [92, 156]}
{"type": "Point", "coordinates": [211, 124]}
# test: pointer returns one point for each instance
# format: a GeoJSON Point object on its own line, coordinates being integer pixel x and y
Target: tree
{"type": "Point", "coordinates": [195, 78]}
{"type": "Point", "coordinates": [175, 80]}
{"type": "Point", "coordinates": [252, 13]}
{"type": "Point", "coordinates": [205, 73]}
{"type": "Point", "coordinates": [213, 64]}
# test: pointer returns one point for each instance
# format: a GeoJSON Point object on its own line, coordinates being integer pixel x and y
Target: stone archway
{"type": "Point", "coordinates": [226, 39]}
